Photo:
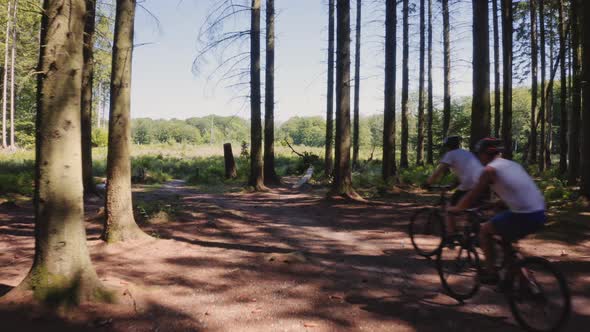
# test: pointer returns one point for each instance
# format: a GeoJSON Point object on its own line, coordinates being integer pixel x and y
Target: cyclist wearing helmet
{"type": "Point", "coordinates": [517, 190]}
{"type": "Point", "coordinates": [464, 165]}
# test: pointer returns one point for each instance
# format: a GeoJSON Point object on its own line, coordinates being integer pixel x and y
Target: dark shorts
{"type": "Point", "coordinates": [515, 226]}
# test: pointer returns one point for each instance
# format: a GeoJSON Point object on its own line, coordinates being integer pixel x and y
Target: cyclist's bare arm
{"type": "Point", "coordinates": [488, 176]}
{"type": "Point", "coordinates": [440, 171]}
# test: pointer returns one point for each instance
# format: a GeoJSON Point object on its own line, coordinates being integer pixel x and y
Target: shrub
{"type": "Point", "coordinates": [100, 137]}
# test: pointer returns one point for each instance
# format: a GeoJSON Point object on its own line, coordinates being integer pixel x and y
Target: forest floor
{"type": "Point", "coordinates": [285, 260]}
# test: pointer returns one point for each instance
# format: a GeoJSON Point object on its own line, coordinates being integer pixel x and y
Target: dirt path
{"type": "Point", "coordinates": [279, 261]}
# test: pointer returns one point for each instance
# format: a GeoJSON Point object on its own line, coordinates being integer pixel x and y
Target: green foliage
{"type": "Point", "coordinates": [100, 137]}
{"type": "Point", "coordinates": [308, 131]}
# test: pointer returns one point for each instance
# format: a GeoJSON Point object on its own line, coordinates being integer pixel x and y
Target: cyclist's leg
{"type": "Point", "coordinates": [450, 220]}
{"type": "Point", "coordinates": [486, 241]}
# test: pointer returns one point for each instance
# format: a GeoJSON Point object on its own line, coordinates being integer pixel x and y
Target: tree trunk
{"type": "Point", "coordinates": [575, 117]}
{"type": "Point", "coordinates": [447, 67]}
{"type": "Point", "coordinates": [420, 138]}
{"type": "Point", "coordinates": [497, 92]}
{"type": "Point", "coordinates": [329, 167]}
{"type": "Point", "coordinates": [480, 115]}
{"type": "Point", "coordinates": [357, 86]}
{"type": "Point", "coordinates": [6, 71]}
{"type": "Point", "coordinates": [230, 164]}
{"type": "Point", "coordinates": [563, 127]}
{"type": "Point", "coordinates": [534, 82]}
{"type": "Point", "coordinates": [549, 95]}
{"type": "Point", "coordinates": [405, 85]}
{"type": "Point", "coordinates": [507, 29]}
{"type": "Point", "coordinates": [270, 175]}
{"type": "Point", "coordinates": [12, 71]}
{"type": "Point", "coordinates": [62, 271]}
{"type": "Point", "coordinates": [342, 173]}
{"type": "Point", "coordinates": [543, 110]}
{"type": "Point", "coordinates": [86, 104]}
{"type": "Point", "coordinates": [585, 25]}
{"type": "Point", "coordinates": [256, 168]}
{"type": "Point", "coordinates": [430, 139]}
{"type": "Point", "coordinates": [119, 223]}
{"type": "Point", "coordinates": [389, 167]}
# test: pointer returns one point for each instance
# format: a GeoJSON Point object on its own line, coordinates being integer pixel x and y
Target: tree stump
{"type": "Point", "coordinates": [230, 164]}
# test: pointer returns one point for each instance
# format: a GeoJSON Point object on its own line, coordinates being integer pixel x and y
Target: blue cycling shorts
{"type": "Point", "coordinates": [515, 226]}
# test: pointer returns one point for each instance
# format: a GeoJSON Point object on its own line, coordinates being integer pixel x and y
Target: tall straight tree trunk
{"type": "Point", "coordinates": [549, 95]}
{"type": "Point", "coordinates": [430, 117]}
{"type": "Point", "coordinates": [480, 115]}
{"type": "Point", "coordinates": [12, 71]}
{"type": "Point", "coordinates": [256, 167]}
{"type": "Point", "coordinates": [6, 71]}
{"type": "Point", "coordinates": [420, 143]}
{"type": "Point", "coordinates": [575, 117]}
{"type": "Point", "coordinates": [270, 175]}
{"type": "Point", "coordinates": [329, 161]}
{"type": "Point", "coordinates": [447, 67]}
{"type": "Point", "coordinates": [357, 86]}
{"type": "Point", "coordinates": [543, 110]}
{"type": "Point", "coordinates": [119, 223]}
{"type": "Point", "coordinates": [405, 85]}
{"type": "Point", "coordinates": [86, 104]}
{"type": "Point", "coordinates": [507, 30]}
{"type": "Point", "coordinates": [563, 127]}
{"type": "Point", "coordinates": [534, 81]}
{"type": "Point", "coordinates": [62, 271]}
{"type": "Point", "coordinates": [389, 130]}
{"type": "Point", "coordinates": [342, 173]}
{"type": "Point", "coordinates": [585, 25]}
{"type": "Point", "coordinates": [497, 92]}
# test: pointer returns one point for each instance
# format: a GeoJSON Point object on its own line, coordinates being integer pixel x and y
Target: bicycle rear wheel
{"type": "Point", "coordinates": [459, 270]}
{"type": "Point", "coordinates": [427, 232]}
{"type": "Point", "coordinates": [538, 295]}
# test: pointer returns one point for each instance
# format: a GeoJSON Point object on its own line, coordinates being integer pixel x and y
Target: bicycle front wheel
{"type": "Point", "coordinates": [427, 232]}
{"type": "Point", "coordinates": [459, 270]}
{"type": "Point", "coordinates": [538, 295]}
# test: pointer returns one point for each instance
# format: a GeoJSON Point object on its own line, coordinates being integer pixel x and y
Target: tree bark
{"type": "Point", "coordinates": [563, 128]}
{"type": "Point", "coordinates": [230, 163]}
{"type": "Point", "coordinates": [543, 110]}
{"type": "Point", "coordinates": [575, 117]}
{"type": "Point", "coordinates": [447, 67]}
{"type": "Point", "coordinates": [329, 161]}
{"type": "Point", "coordinates": [62, 271]}
{"type": "Point", "coordinates": [585, 25]}
{"type": "Point", "coordinates": [480, 115]}
{"type": "Point", "coordinates": [6, 71]}
{"type": "Point", "coordinates": [430, 116]}
{"type": "Point", "coordinates": [256, 168]}
{"type": "Point", "coordinates": [119, 223]}
{"type": "Point", "coordinates": [549, 95]}
{"type": "Point", "coordinates": [497, 92]}
{"type": "Point", "coordinates": [405, 86]}
{"type": "Point", "coordinates": [86, 104]}
{"type": "Point", "coordinates": [421, 74]}
{"type": "Point", "coordinates": [342, 173]}
{"type": "Point", "coordinates": [507, 30]}
{"type": "Point", "coordinates": [534, 82]}
{"type": "Point", "coordinates": [357, 86]}
{"type": "Point", "coordinates": [389, 130]}
{"type": "Point", "coordinates": [12, 72]}
{"type": "Point", "coordinates": [270, 175]}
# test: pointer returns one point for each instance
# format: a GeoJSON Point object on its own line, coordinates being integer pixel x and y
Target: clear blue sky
{"type": "Point", "coordinates": [165, 87]}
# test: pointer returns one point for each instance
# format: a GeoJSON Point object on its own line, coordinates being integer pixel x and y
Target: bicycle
{"type": "Point", "coordinates": [427, 226]}
{"type": "Point", "coordinates": [527, 282]}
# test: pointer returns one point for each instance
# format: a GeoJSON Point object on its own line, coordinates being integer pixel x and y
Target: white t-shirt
{"type": "Point", "coordinates": [465, 165]}
{"type": "Point", "coordinates": [516, 188]}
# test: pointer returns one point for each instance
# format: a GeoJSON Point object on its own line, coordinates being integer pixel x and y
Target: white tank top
{"type": "Point", "coordinates": [466, 166]}
{"type": "Point", "coordinates": [516, 188]}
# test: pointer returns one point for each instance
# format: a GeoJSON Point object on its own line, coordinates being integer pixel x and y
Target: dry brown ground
{"type": "Point", "coordinates": [278, 261]}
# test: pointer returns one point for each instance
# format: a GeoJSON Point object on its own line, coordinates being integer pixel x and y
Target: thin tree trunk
{"type": "Point", "coordinates": [62, 271]}
{"type": "Point", "coordinates": [86, 103]}
{"type": "Point", "coordinates": [507, 30]}
{"type": "Point", "coordinates": [549, 97]}
{"type": "Point", "coordinates": [405, 86]}
{"type": "Point", "coordinates": [575, 117]}
{"type": "Point", "coordinates": [421, 74]}
{"type": "Point", "coordinates": [534, 82]}
{"type": "Point", "coordinates": [447, 67]}
{"type": "Point", "coordinates": [563, 128]}
{"type": "Point", "coordinates": [6, 71]}
{"type": "Point", "coordinates": [389, 130]}
{"type": "Point", "coordinates": [542, 112]}
{"type": "Point", "coordinates": [342, 175]}
{"type": "Point", "coordinates": [585, 25]}
{"type": "Point", "coordinates": [119, 223]}
{"type": "Point", "coordinates": [357, 86]}
{"type": "Point", "coordinates": [256, 167]}
{"type": "Point", "coordinates": [270, 175]}
{"type": "Point", "coordinates": [12, 72]}
{"type": "Point", "coordinates": [430, 139]}
{"type": "Point", "coordinates": [480, 115]}
{"type": "Point", "coordinates": [329, 167]}
{"type": "Point", "coordinates": [497, 92]}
